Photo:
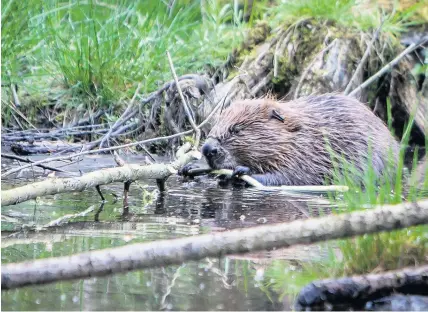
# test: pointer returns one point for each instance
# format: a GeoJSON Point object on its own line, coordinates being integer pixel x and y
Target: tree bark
{"type": "Point", "coordinates": [357, 290]}
{"type": "Point", "coordinates": [92, 179]}
{"type": "Point", "coordinates": [168, 252]}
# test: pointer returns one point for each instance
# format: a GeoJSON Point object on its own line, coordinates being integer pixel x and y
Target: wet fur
{"type": "Point", "coordinates": [294, 151]}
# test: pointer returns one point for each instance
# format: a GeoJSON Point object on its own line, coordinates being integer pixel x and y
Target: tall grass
{"type": "Point", "coordinates": [98, 51]}
{"type": "Point", "coordinates": [349, 13]}
{"type": "Point", "coordinates": [80, 54]}
{"type": "Point", "coordinates": [385, 250]}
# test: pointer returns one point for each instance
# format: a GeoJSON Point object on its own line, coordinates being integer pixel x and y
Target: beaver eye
{"type": "Point", "coordinates": [235, 129]}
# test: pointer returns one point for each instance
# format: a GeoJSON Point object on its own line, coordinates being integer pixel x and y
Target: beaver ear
{"type": "Point", "coordinates": [289, 123]}
{"type": "Point", "coordinates": [275, 114]}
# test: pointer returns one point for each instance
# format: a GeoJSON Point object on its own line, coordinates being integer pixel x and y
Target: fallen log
{"type": "Point", "coordinates": [43, 148]}
{"type": "Point", "coordinates": [168, 252]}
{"type": "Point", "coordinates": [357, 290]}
{"type": "Point", "coordinates": [93, 179]}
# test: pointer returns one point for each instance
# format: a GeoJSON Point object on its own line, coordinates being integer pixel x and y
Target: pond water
{"type": "Point", "coordinates": [256, 281]}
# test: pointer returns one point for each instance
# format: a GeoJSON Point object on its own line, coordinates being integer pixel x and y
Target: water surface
{"type": "Point", "coordinates": [238, 282]}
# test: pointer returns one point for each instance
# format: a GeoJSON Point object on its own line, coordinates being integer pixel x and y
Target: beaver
{"type": "Point", "coordinates": [292, 143]}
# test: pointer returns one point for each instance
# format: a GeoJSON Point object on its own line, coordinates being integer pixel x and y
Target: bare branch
{"type": "Point", "coordinates": [363, 59]}
{"type": "Point", "coordinates": [93, 179]}
{"type": "Point", "coordinates": [389, 66]}
{"type": "Point", "coordinates": [8, 156]}
{"type": "Point", "coordinates": [186, 107]}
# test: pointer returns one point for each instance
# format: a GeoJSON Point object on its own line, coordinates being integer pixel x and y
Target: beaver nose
{"type": "Point", "coordinates": [209, 150]}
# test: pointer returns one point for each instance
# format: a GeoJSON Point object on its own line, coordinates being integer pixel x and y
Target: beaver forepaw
{"type": "Point", "coordinates": [184, 171]}
{"type": "Point", "coordinates": [241, 170]}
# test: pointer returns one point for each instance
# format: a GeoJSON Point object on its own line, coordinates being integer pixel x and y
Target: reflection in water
{"type": "Point", "coordinates": [229, 283]}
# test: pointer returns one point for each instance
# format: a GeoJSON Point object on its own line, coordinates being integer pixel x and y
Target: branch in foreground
{"type": "Point", "coordinates": [357, 290]}
{"type": "Point", "coordinates": [93, 179]}
{"type": "Point", "coordinates": [176, 251]}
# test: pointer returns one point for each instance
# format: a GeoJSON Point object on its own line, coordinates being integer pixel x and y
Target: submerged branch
{"type": "Point", "coordinates": [169, 252]}
{"type": "Point", "coordinates": [357, 290]}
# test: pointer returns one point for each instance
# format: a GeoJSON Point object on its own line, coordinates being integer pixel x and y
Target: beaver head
{"type": "Point", "coordinates": [292, 143]}
{"type": "Point", "coordinates": [250, 133]}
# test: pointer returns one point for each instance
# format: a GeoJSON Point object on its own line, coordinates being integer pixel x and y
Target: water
{"type": "Point", "coordinates": [256, 281]}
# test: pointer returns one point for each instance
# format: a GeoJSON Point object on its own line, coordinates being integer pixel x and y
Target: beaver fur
{"type": "Point", "coordinates": [292, 143]}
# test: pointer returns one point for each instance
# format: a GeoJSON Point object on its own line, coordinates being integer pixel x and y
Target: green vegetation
{"type": "Point", "coordinates": [88, 55]}
{"type": "Point", "coordinates": [93, 54]}
{"type": "Point", "coordinates": [346, 13]}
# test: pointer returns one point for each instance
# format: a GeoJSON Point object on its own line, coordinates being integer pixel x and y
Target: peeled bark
{"type": "Point", "coordinates": [168, 252]}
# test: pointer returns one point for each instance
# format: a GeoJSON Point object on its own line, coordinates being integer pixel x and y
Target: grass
{"type": "Point", "coordinates": [392, 250]}
{"type": "Point", "coordinates": [87, 55]}
{"type": "Point", "coordinates": [348, 14]}
{"type": "Point", "coordinates": [92, 54]}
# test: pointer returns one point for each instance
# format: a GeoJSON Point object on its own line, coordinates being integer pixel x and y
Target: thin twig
{"type": "Point", "coordinates": [121, 120]}
{"type": "Point", "coordinates": [13, 91]}
{"type": "Point", "coordinates": [66, 157]}
{"type": "Point", "coordinates": [20, 115]}
{"type": "Point", "coordinates": [15, 95]}
{"type": "Point", "coordinates": [14, 157]}
{"type": "Point", "coordinates": [186, 107]}
{"type": "Point", "coordinates": [363, 59]}
{"type": "Point", "coordinates": [389, 66]}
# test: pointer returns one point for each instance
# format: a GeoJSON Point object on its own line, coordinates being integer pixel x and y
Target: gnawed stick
{"type": "Point", "coordinates": [253, 182]}
{"type": "Point", "coordinates": [92, 179]}
{"type": "Point", "coordinates": [176, 251]}
{"type": "Point", "coordinates": [357, 290]}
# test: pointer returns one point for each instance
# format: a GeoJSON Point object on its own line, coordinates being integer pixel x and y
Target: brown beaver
{"type": "Point", "coordinates": [291, 143]}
